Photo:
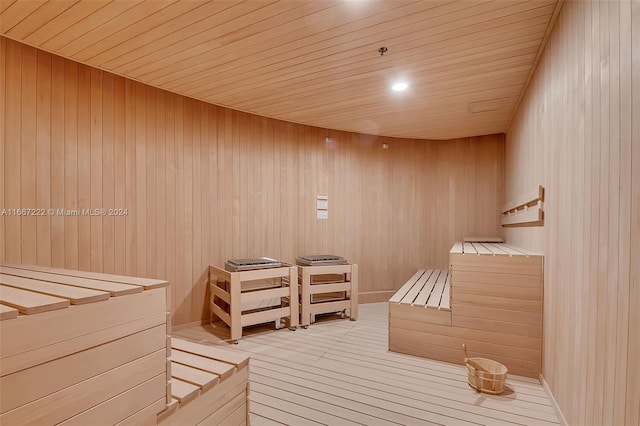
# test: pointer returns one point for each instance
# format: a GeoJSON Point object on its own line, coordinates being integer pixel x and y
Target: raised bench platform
{"type": "Point", "coordinates": [424, 298]}
{"type": "Point", "coordinates": [209, 386]}
{"type": "Point", "coordinates": [81, 348]}
{"type": "Point", "coordinates": [496, 309]}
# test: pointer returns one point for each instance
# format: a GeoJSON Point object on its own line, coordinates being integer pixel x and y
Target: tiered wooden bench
{"type": "Point", "coordinates": [245, 298]}
{"type": "Point", "coordinates": [327, 288]}
{"type": "Point", "coordinates": [424, 298]}
{"type": "Point", "coordinates": [209, 386]}
{"type": "Point", "coordinates": [81, 348]}
{"type": "Point", "coordinates": [496, 309]}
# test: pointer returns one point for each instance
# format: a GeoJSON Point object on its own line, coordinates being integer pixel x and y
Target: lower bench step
{"type": "Point", "coordinates": [208, 384]}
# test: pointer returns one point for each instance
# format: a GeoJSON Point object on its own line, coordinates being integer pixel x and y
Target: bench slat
{"type": "Point", "coordinates": [202, 379]}
{"type": "Point", "coordinates": [115, 289]}
{"type": "Point", "coordinates": [481, 249]}
{"type": "Point", "coordinates": [222, 369]}
{"type": "Point", "coordinates": [76, 295]}
{"type": "Point", "coordinates": [7, 312]}
{"type": "Point", "coordinates": [469, 248]}
{"type": "Point", "coordinates": [445, 303]}
{"type": "Point", "coordinates": [146, 283]}
{"type": "Point", "coordinates": [397, 297]}
{"type": "Point", "coordinates": [457, 248]}
{"type": "Point", "coordinates": [183, 391]}
{"type": "Point", "coordinates": [436, 295]}
{"type": "Point", "coordinates": [28, 302]}
{"type": "Point", "coordinates": [417, 288]}
{"type": "Point", "coordinates": [220, 354]}
{"type": "Point", "coordinates": [425, 294]}
{"type": "Point", "coordinates": [428, 288]}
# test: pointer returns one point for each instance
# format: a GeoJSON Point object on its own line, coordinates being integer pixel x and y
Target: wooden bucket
{"type": "Point", "coordinates": [485, 375]}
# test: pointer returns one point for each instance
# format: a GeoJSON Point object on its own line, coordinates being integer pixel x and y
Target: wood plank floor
{"type": "Point", "coordinates": [339, 372]}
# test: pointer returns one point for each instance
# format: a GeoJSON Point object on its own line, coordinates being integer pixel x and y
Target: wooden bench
{"type": "Point", "coordinates": [495, 308]}
{"type": "Point", "coordinates": [80, 348]}
{"type": "Point", "coordinates": [423, 298]}
{"type": "Point", "coordinates": [209, 385]}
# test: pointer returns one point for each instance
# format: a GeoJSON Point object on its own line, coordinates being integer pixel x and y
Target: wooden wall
{"type": "Point", "coordinates": [577, 132]}
{"type": "Point", "coordinates": [203, 184]}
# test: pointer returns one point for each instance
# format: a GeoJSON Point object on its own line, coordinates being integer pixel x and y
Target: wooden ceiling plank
{"type": "Point", "coordinates": [180, 40]}
{"type": "Point", "coordinates": [284, 21]}
{"type": "Point", "coordinates": [512, 46]}
{"type": "Point", "coordinates": [48, 11]}
{"type": "Point", "coordinates": [16, 12]}
{"type": "Point", "coordinates": [365, 103]}
{"type": "Point", "coordinates": [440, 31]}
{"type": "Point", "coordinates": [118, 23]}
{"type": "Point", "coordinates": [4, 4]}
{"type": "Point", "coordinates": [63, 21]}
{"type": "Point", "coordinates": [420, 47]}
{"type": "Point", "coordinates": [271, 21]}
{"type": "Point", "coordinates": [175, 12]}
{"type": "Point", "coordinates": [326, 26]}
{"type": "Point", "coordinates": [366, 111]}
{"type": "Point", "coordinates": [385, 96]}
{"type": "Point", "coordinates": [355, 55]}
{"type": "Point", "coordinates": [86, 24]}
{"type": "Point", "coordinates": [493, 78]}
{"type": "Point", "coordinates": [452, 108]}
{"type": "Point", "coordinates": [434, 93]}
{"type": "Point", "coordinates": [519, 44]}
{"type": "Point", "coordinates": [322, 21]}
{"type": "Point", "coordinates": [338, 45]}
{"type": "Point", "coordinates": [441, 100]}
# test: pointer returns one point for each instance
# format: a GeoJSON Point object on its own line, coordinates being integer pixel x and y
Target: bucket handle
{"type": "Point", "coordinates": [466, 357]}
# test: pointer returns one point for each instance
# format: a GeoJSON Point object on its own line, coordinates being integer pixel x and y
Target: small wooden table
{"type": "Point", "coordinates": [231, 290]}
{"type": "Point", "coordinates": [327, 288]}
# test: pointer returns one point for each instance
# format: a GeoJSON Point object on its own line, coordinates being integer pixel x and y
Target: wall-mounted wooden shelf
{"type": "Point", "coordinates": [525, 211]}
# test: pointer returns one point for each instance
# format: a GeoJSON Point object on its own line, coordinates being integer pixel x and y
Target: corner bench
{"type": "Point", "coordinates": [491, 299]}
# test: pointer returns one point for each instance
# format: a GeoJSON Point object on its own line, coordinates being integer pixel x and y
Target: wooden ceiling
{"type": "Point", "coordinates": [311, 61]}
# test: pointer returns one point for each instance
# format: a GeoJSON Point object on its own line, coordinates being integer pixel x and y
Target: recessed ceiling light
{"type": "Point", "coordinates": [399, 87]}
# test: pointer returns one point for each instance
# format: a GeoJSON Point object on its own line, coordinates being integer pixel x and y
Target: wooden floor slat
{"type": "Point", "coordinates": [340, 372]}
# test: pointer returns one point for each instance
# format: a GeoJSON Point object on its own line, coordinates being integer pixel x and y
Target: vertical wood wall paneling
{"type": "Point", "coordinates": [623, 364]}
{"type": "Point", "coordinates": [130, 177]}
{"type": "Point", "coordinates": [28, 152]}
{"type": "Point", "coordinates": [120, 174]}
{"type": "Point", "coordinates": [95, 171]}
{"type": "Point", "coordinates": [108, 173]}
{"type": "Point", "coordinates": [203, 184]}
{"type": "Point", "coordinates": [3, 91]}
{"type": "Point", "coordinates": [633, 380]}
{"type": "Point", "coordinates": [70, 141]}
{"type": "Point", "coordinates": [43, 156]}
{"type": "Point", "coordinates": [84, 166]}
{"type": "Point", "coordinates": [575, 134]}
{"type": "Point", "coordinates": [57, 161]}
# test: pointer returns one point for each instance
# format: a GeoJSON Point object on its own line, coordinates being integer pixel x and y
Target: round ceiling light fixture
{"type": "Point", "coordinates": [399, 86]}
